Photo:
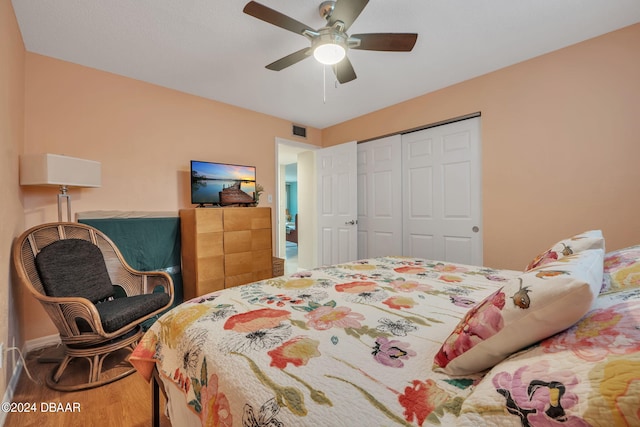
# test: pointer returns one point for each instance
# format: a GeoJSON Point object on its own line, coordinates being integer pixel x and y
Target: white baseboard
{"type": "Point", "coordinates": [38, 343]}
{"type": "Point", "coordinates": [11, 389]}
{"type": "Point", "coordinates": [30, 345]}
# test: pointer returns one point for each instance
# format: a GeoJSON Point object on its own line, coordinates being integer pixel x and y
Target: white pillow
{"type": "Point", "coordinates": [529, 308]}
{"type": "Point", "coordinates": [588, 240]}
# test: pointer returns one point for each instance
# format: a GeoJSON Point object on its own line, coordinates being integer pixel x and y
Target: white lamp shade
{"type": "Point", "coordinates": [329, 53]}
{"type": "Point", "coordinates": [56, 170]}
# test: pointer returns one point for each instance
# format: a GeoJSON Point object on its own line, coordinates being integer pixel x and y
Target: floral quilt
{"type": "Point", "coordinates": [587, 375]}
{"type": "Point", "coordinates": [341, 345]}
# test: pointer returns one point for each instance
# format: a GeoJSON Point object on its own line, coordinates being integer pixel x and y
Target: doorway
{"type": "Point", "coordinates": [288, 238]}
{"type": "Point", "coordinates": [291, 217]}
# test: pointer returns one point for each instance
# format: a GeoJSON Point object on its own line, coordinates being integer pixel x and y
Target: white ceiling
{"type": "Point", "coordinates": [212, 49]}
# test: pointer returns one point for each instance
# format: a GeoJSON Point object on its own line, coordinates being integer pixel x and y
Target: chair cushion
{"type": "Point", "coordinates": [74, 268]}
{"type": "Point", "coordinates": [120, 312]}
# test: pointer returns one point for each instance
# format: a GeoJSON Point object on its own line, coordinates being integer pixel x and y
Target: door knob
{"type": "Point", "coordinates": [475, 229]}
{"type": "Point", "coordinates": [352, 222]}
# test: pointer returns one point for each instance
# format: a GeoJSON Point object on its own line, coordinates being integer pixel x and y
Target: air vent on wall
{"type": "Point", "coordinates": [299, 131]}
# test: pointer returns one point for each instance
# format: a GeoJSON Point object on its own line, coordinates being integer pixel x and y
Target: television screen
{"type": "Point", "coordinates": [208, 180]}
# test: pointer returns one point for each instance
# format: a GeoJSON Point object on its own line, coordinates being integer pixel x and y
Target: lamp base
{"type": "Point", "coordinates": [63, 195]}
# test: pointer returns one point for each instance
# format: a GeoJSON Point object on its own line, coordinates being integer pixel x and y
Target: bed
{"type": "Point", "coordinates": [405, 341]}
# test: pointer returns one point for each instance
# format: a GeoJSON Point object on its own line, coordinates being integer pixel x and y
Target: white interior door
{"type": "Point", "coordinates": [441, 187]}
{"type": "Point", "coordinates": [380, 197]}
{"type": "Point", "coordinates": [336, 169]}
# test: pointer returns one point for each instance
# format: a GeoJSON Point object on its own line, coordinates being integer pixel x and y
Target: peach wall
{"type": "Point", "coordinates": [11, 142]}
{"type": "Point", "coordinates": [560, 144]}
{"type": "Point", "coordinates": [143, 134]}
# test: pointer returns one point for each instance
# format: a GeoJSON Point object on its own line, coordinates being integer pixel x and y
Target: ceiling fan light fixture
{"type": "Point", "coordinates": [329, 46]}
{"type": "Point", "coordinates": [329, 53]}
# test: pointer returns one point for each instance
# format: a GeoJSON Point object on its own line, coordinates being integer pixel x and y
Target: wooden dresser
{"type": "Point", "coordinates": [224, 247]}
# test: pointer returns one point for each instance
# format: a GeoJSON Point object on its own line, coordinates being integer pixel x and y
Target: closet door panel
{"type": "Point", "coordinates": [380, 197]}
{"type": "Point", "coordinates": [420, 182]}
{"type": "Point", "coordinates": [442, 216]}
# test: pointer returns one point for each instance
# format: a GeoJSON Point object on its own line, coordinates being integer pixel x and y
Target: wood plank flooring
{"type": "Point", "coordinates": [123, 403]}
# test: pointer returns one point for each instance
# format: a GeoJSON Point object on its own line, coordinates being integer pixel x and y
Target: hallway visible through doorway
{"type": "Point", "coordinates": [291, 261]}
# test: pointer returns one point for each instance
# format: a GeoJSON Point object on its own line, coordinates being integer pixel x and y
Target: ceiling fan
{"type": "Point", "coordinates": [330, 43]}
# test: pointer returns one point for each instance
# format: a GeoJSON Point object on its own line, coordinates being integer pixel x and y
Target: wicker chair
{"type": "Point", "coordinates": [95, 299]}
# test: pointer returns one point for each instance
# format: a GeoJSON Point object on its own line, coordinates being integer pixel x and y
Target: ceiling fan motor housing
{"type": "Point", "coordinates": [329, 35]}
{"type": "Point", "coordinates": [326, 8]}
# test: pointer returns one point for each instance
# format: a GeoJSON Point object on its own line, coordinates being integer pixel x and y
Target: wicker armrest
{"type": "Point", "coordinates": [65, 313]}
{"type": "Point", "coordinates": [154, 279]}
{"type": "Point", "coordinates": [136, 282]}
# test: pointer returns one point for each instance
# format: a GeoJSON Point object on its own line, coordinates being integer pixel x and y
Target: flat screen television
{"type": "Point", "coordinates": [209, 179]}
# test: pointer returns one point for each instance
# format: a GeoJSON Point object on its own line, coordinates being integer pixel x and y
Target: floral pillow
{"type": "Point", "coordinates": [586, 375]}
{"type": "Point", "coordinates": [588, 240]}
{"type": "Point", "coordinates": [622, 269]}
{"type": "Point", "coordinates": [530, 307]}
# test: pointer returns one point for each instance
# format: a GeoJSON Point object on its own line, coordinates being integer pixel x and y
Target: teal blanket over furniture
{"type": "Point", "coordinates": [148, 244]}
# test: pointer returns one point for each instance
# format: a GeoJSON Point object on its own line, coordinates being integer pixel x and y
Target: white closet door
{"type": "Point", "coordinates": [380, 197]}
{"type": "Point", "coordinates": [442, 193]}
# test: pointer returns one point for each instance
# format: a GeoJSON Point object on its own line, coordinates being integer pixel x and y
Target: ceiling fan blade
{"type": "Point", "coordinates": [344, 71]}
{"type": "Point", "coordinates": [274, 17]}
{"type": "Point", "coordinates": [289, 59]}
{"type": "Point", "coordinates": [390, 42]}
{"type": "Point", "coordinates": [346, 11]}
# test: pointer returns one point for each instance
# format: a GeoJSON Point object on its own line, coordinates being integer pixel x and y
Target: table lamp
{"type": "Point", "coordinates": [61, 171]}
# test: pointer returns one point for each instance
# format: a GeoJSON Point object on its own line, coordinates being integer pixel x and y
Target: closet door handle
{"type": "Point", "coordinates": [352, 222]}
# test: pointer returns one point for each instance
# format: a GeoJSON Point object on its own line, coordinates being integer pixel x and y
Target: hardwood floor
{"type": "Point", "coordinates": [123, 403]}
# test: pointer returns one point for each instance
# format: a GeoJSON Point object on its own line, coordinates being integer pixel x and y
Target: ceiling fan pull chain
{"type": "Point", "coordinates": [324, 84]}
